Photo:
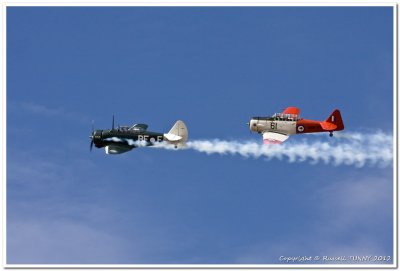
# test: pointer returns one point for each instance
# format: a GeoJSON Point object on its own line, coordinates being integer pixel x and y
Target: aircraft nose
{"type": "Point", "coordinates": [96, 136]}
{"type": "Point", "coordinates": [252, 124]}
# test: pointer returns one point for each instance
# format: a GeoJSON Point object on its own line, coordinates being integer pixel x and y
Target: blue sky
{"type": "Point", "coordinates": [214, 68]}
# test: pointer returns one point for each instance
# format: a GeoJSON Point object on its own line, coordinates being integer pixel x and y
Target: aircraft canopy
{"type": "Point", "coordinates": [288, 117]}
{"type": "Point", "coordinates": [123, 128]}
{"type": "Point", "coordinates": [139, 127]}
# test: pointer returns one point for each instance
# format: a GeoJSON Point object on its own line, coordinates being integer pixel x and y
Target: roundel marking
{"type": "Point", "coordinates": [300, 128]}
{"type": "Point", "coordinates": [152, 140]}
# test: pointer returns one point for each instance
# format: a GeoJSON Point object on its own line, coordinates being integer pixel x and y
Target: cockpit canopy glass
{"type": "Point", "coordinates": [279, 116]}
{"type": "Point", "coordinates": [123, 128]}
{"type": "Point", "coordinates": [139, 127]}
{"type": "Point", "coordinates": [287, 117]}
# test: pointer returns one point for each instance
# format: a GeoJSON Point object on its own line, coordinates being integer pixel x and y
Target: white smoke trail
{"type": "Point", "coordinates": [130, 142]}
{"type": "Point", "coordinates": [343, 149]}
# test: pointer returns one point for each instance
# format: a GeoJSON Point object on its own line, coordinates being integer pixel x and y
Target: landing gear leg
{"type": "Point", "coordinates": [330, 134]}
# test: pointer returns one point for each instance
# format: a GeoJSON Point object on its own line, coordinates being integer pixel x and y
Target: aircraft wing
{"type": "Point", "coordinates": [292, 110]}
{"type": "Point", "coordinates": [117, 149]}
{"type": "Point", "coordinates": [274, 138]}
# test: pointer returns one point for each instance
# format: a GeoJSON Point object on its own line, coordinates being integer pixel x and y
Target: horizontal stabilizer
{"type": "Point", "coordinates": [336, 119]}
{"type": "Point", "coordinates": [178, 135]}
{"type": "Point", "coordinates": [274, 138]}
{"type": "Point", "coordinates": [327, 126]}
{"type": "Point", "coordinates": [172, 137]}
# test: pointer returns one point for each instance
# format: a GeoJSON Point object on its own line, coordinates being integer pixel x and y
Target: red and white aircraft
{"type": "Point", "coordinates": [277, 128]}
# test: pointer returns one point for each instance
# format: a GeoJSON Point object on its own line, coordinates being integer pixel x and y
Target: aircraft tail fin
{"type": "Point", "coordinates": [178, 134]}
{"type": "Point", "coordinates": [334, 122]}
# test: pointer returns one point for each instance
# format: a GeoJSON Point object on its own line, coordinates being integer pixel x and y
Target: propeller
{"type": "Point", "coordinates": [91, 137]}
{"type": "Point", "coordinates": [248, 125]}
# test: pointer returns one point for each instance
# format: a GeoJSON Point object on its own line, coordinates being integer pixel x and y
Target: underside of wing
{"type": "Point", "coordinates": [115, 149]}
{"type": "Point", "coordinates": [274, 138]}
{"type": "Point", "coordinates": [292, 111]}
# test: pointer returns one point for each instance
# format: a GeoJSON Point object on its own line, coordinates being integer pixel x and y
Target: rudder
{"type": "Point", "coordinates": [336, 119]}
{"type": "Point", "coordinates": [178, 134]}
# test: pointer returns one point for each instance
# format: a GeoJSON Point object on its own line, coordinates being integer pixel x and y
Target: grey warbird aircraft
{"type": "Point", "coordinates": [125, 138]}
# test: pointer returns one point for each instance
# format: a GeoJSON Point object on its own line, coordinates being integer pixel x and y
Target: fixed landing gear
{"type": "Point", "coordinates": [330, 134]}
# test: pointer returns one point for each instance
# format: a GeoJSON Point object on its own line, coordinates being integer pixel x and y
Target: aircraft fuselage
{"type": "Point", "coordinates": [102, 138]}
{"type": "Point", "coordinates": [288, 127]}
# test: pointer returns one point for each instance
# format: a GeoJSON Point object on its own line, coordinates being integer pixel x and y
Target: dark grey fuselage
{"type": "Point", "coordinates": [126, 138]}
